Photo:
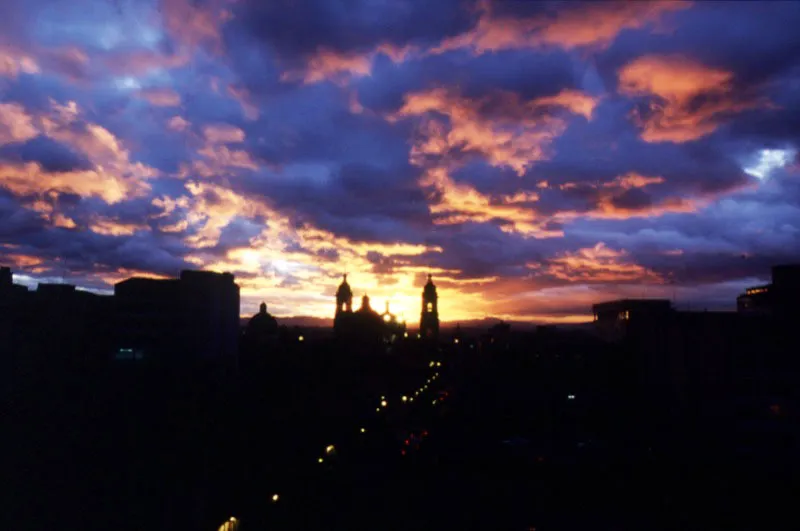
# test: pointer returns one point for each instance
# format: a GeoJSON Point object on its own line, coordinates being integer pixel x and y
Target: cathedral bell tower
{"type": "Point", "coordinates": [429, 321]}
{"type": "Point", "coordinates": [344, 306]}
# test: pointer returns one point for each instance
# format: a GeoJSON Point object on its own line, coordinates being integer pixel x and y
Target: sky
{"type": "Point", "coordinates": [534, 157]}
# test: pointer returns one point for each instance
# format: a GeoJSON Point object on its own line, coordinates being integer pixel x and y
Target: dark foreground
{"type": "Point", "coordinates": [504, 447]}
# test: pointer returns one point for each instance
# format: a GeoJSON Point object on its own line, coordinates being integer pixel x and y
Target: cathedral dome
{"type": "Point", "coordinates": [262, 323]}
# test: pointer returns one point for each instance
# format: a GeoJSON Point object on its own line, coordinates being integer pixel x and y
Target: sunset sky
{"type": "Point", "coordinates": [535, 157]}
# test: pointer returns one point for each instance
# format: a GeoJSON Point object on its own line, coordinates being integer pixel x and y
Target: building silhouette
{"type": "Point", "coordinates": [780, 298]}
{"type": "Point", "coordinates": [613, 318]}
{"type": "Point", "coordinates": [52, 328]}
{"type": "Point", "coordinates": [342, 320]}
{"type": "Point", "coordinates": [429, 319]}
{"type": "Point", "coordinates": [193, 317]}
{"type": "Point", "coordinates": [365, 325]}
{"type": "Point", "coordinates": [261, 334]}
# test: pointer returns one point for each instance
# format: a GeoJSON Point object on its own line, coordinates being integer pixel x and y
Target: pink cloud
{"type": "Point", "coordinates": [676, 84]}
{"type": "Point", "coordinates": [140, 62]}
{"type": "Point", "coordinates": [15, 124]}
{"type": "Point", "coordinates": [597, 264]}
{"type": "Point", "coordinates": [508, 131]}
{"type": "Point", "coordinates": [244, 98]}
{"type": "Point", "coordinates": [113, 177]}
{"type": "Point", "coordinates": [13, 63]}
{"type": "Point", "coordinates": [329, 65]}
{"type": "Point", "coordinates": [194, 23]}
{"type": "Point", "coordinates": [594, 25]}
{"type": "Point", "coordinates": [160, 96]}
{"type": "Point", "coordinates": [223, 134]}
{"type": "Point", "coordinates": [178, 123]}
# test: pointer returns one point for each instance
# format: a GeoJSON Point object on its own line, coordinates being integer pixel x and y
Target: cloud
{"type": "Point", "coordinates": [569, 25]}
{"type": "Point", "coordinates": [160, 96]}
{"type": "Point", "coordinates": [596, 264]}
{"type": "Point", "coordinates": [13, 63]}
{"type": "Point", "coordinates": [178, 123]}
{"type": "Point", "coordinates": [195, 23]}
{"type": "Point", "coordinates": [687, 99]}
{"type": "Point", "coordinates": [15, 124]}
{"type": "Point", "coordinates": [103, 169]}
{"type": "Point", "coordinates": [223, 134]}
{"type": "Point", "coordinates": [505, 129]}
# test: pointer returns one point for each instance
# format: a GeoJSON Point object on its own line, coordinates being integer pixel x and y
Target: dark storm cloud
{"type": "Point", "coordinates": [529, 76]}
{"type": "Point", "coordinates": [295, 32]}
{"type": "Point", "coordinates": [51, 155]}
{"type": "Point", "coordinates": [364, 203]}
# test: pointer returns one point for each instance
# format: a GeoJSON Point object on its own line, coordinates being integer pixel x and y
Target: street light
{"type": "Point", "coordinates": [384, 403]}
{"type": "Point", "coordinates": [275, 498]}
{"type": "Point", "coordinates": [405, 398]}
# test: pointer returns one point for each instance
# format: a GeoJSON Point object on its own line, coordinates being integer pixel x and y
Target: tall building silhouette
{"type": "Point", "coordinates": [779, 298]}
{"type": "Point", "coordinates": [429, 320]}
{"type": "Point", "coordinates": [344, 306]}
{"type": "Point", "coordinates": [363, 326]}
{"type": "Point", "coordinates": [193, 317]}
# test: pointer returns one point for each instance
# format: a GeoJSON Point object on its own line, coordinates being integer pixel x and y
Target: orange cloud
{"type": "Point", "coordinates": [220, 158]}
{"type": "Point", "coordinates": [30, 178]}
{"type": "Point", "coordinates": [113, 177]}
{"type": "Point", "coordinates": [505, 129]}
{"type": "Point", "coordinates": [606, 209]}
{"type": "Point", "coordinates": [690, 99]}
{"type": "Point", "coordinates": [160, 97]}
{"type": "Point", "coordinates": [634, 180]}
{"type": "Point", "coordinates": [461, 203]}
{"type": "Point", "coordinates": [110, 227]}
{"type": "Point", "coordinates": [15, 124]}
{"type": "Point", "coordinates": [329, 65]}
{"type": "Point", "coordinates": [223, 134]}
{"type": "Point", "coordinates": [597, 264]}
{"type": "Point", "coordinates": [594, 25]}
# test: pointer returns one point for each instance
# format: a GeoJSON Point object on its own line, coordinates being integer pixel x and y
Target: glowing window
{"type": "Point", "coordinates": [430, 306]}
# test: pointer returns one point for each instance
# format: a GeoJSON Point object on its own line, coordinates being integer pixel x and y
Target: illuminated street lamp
{"type": "Point", "coordinates": [363, 430]}
{"type": "Point", "coordinates": [275, 498]}
{"type": "Point", "coordinates": [301, 339]}
{"type": "Point", "coordinates": [384, 403]}
{"type": "Point", "coordinates": [405, 398]}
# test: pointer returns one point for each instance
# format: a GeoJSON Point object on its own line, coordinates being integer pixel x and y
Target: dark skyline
{"type": "Point", "coordinates": [535, 157]}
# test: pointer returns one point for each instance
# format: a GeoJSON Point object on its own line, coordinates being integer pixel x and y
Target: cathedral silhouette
{"type": "Point", "coordinates": [365, 323]}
